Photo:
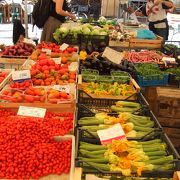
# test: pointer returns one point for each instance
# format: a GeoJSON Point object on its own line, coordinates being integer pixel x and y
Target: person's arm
{"type": "Point", "coordinates": [166, 4]}
{"type": "Point", "coordinates": [60, 11]}
{"type": "Point", "coordinates": [137, 13]}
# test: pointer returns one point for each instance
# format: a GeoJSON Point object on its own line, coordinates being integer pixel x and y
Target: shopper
{"type": "Point", "coordinates": [156, 10]}
{"type": "Point", "coordinates": [18, 31]}
{"type": "Point", "coordinates": [57, 17]}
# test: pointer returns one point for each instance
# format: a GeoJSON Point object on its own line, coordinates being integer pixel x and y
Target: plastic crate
{"type": "Point", "coordinates": [151, 174]}
{"type": "Point", "coordinates": [97, 42]}
{"type": "Point", "coordinates": [83, 111]}
{"type": "Point", "coordinates": [150, 80]}
{"type": "Point", "coordinates": [69, 39]}
{"type": "Point", "coordinates": [174, 80]}
{"type": "Point", "coordinates": [99, 103]}
{"type": "Point", "coordinates": [155, 81]}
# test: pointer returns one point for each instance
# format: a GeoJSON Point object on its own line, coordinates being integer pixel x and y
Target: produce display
{"type": "Point", "coordinates": [19, 49]}
{"type": "Point", "coordinates": [145, 56]}
{"type": "Point", "coordinates": [54, 49]}
{"type": "Point", "coordinates": [88, 37]}
{"type": "Point", "coordinates": [29, 95]}
{"type": "Point", "coordinates": [104, 66]}
{"type": "Point", "coordinates": [127, 157]}
{"type": "Point", "coordinates": [21, 85]}
{"type": "Point", "coordinates": [46, 72]}
{"type": "Point", "coordinates": [134, 126]}
{"type": "Point", "coordinates": [169, 49]}
{"type": "Point", "coordinates": [113, 89]}
{"type": "Point", "coordinates": [56, 96]}
{"type": "Point", "coordinates": [31, 140]}
{"type": "Point", "coordinates": [53, 94]}
{"type": "Point", "coordinates": [75, 29]}
{"type": "Point", "coordinates": [174, 71]}
{"type": "Point", "coordinates": [3, 75]}
{"type": "Point", "coordinates": [150, 71]}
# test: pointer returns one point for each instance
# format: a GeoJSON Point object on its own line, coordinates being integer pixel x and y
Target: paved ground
{"type": "Point", "coordinates": [6, 31]}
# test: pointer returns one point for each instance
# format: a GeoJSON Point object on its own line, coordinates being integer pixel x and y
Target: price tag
{"type": "Point", "coordinates": [47, 51]}
{"type": "Point", "coordinates": [113, 56]}
{"type": "Point", "coordinates": [73, 66]}
{"type": "Point", "coordinates": [113, 133]}
{"type": "Point", "coordinates": [63, 88]}
{"type": "Point", "coordinates": [64, 46]}
{"type": "Point", "coordinates": [134, 17]}
{"type": "Point", "coordinates": [21, 75]}
{"type": "Point", "coordinates": [31, 111]}
{"type": "Point", "coordinates": [57, 60]}
{"type": "Point", "coordinates": [29, 41]}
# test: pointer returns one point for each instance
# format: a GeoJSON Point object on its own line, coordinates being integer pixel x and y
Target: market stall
{"type": "Point", "coordinates": [101, 102]}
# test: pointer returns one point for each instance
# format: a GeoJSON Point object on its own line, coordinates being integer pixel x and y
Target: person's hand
{"type": "Point", "coordinates": [130, 10]}
{"type": "Point", "coordinates": [72, 16]}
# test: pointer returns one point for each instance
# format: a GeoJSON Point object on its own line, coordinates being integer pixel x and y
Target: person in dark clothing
{"type": "Point", "coordinates": [56, 18]}
{"type": "Point", "coordinates": [156, 11]}
{"type": "Point", "coordinates": [18, 31]}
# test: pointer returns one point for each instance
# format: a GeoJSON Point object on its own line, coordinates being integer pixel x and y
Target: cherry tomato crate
{"type": "Point", "coordinates": [148, 174]}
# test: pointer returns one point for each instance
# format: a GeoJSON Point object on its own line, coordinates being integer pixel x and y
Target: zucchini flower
{"type": "Point", "coordinates": [125, 172]}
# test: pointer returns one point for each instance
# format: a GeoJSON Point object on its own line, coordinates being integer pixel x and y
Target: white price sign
{"type": "Point", "coordinates": [63, 88]}
{"type": "Point", "coordinates": [64, 46]}
{"type": "Point", "coordinates": [47, 51]}
{"type": "Point", "coordinates": [113, 56]}
{"type": "Point", "coordinates": [21, 75]}
{"type": "Point", "coordinates": [57, 60]}
{"type": "Point", "coordinates": [31, 111]}
{"type": "Point", "coordinates": [113, 133]}
{"type": "Point", "coordinates": [29, 41]}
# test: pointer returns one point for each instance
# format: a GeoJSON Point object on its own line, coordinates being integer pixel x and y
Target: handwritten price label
{"type": "Point", "coordinates": [31, 111]}
{"type": "Point", "coordinates": [64, 46]}
{"type": "Point", "coordinates": [113, 133]}
{"type": "Point", "coordinates": [113, 56]}
{"type": "Point", "coordinates": [63, 88]}
{"type": "Point", "coordinates": [21, 75]}
{"type": "Point", "coordinates": [57, 60]}
{"type": "Point", "coordinates": [47, 51]}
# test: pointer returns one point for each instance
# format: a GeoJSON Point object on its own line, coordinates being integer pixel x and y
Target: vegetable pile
{"type": "Point", "coordinates": [113, 89]}
{"type": "Point", "coordinates": [143, 57]}
{"type": "Point", "coordinates": [75, 29]}
{"type": "Point", "coordinates": [28, 149]}
{"type": "Point", "coordinates": [46, 72]}
{"type": "Point", "coordinates": [126, 157]}
{"type": "Point", "coordinates": [21, 85]}
{"type": "Point", "coordinates": [104, 66]}
{"type": "Point", "coordinates": [19, 49]}
{"type": "Point", "coordinates": [150, 71]}
{"type": "Point", "coordinates": [3, 75]}
{"type": "Point", "coordinates": [134, 126]}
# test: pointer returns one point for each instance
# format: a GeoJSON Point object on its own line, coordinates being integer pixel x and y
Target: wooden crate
{"type": "Point", "coordinates": [7, 79]}
{"type": "Point", "coordinates": [82, 85]}
{"type": "Point", "coordinates": [11, 63]}
{"type": "Point", "coordinates": [170, 122]}
{"type": "Point", "coordinates": [168, 102]}
{"type": "Point", "coordinates": [122, 44]}
{"type": "Point", "coordinates": [146, 43]}
{"type": "Point", "coordinates": [174, 135]}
